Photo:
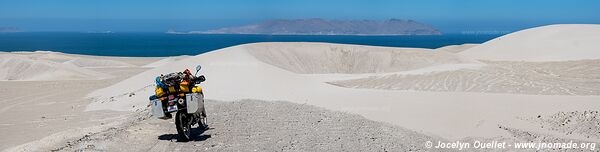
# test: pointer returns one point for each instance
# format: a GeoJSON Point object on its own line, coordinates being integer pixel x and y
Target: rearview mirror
{"type": "Point", "coordinates": [198, 68]}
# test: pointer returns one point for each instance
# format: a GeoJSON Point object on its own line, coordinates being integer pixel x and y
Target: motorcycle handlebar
{"type": "Point", "coordinates": [200, 79]}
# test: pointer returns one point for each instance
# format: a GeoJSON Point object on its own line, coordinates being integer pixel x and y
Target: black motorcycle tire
{"type": "Point", "coordinates": [183, 125]}
{"type": "Point", "coordinates": [202, 122]}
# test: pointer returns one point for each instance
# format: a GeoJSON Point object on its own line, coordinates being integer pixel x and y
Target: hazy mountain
{"type": "Point", "coordinates": [331, 27]}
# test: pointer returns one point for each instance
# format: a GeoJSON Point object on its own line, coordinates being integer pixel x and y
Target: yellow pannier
{"type": "Point", "coordinates": [197, 89]}
{"type": "Point", "coordinates": [172, 89]}
{"type": "Point", "coordinates": [159, 92]}
{"type": "Point", "coordinates": [184, 87]}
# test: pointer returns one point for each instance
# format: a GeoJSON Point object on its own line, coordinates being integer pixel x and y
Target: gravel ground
{"type": "Point", "coordinates": [585, 123]}
{"type": "Point", "coordinates": [534, 137]}
{"type": "Point", "coordinates": [251, 125]}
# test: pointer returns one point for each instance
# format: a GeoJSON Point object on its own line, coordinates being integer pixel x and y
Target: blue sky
{"type": "Point", "coordinates": [160, 15]}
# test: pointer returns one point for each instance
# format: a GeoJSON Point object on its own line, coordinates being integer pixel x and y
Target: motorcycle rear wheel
{"type": "Point", "coordinates": [183, 125]}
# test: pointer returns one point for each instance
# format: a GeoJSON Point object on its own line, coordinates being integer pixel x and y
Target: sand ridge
{"type": "Point", "coordinates": [558, 42]}
{"type": "Point", "coordinates": [324, 58]}
{"type": "Point", "coordinates": [456, 48]}
{"type": "Point", "coordinates": [48, 98]}
{"type": "Point", "coordinates": [14, 67]}
{"type": "Point", "coordinates": [48, 65]}
{"type": "Point", "coordinates": [97, 63]}
{"type": "Point", "coordinates": [165, 61]}
{"type": "Point", "coordinates": [536, 78]}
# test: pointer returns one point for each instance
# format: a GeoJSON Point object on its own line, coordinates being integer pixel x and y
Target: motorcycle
{"type": "Point", "coordinates": [187, 105]}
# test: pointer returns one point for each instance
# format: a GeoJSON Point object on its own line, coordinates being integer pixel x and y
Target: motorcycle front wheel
{"type": "Point", "coordinates": [183, 125]}
{"type": "Point", "coordinates": [202, 124]}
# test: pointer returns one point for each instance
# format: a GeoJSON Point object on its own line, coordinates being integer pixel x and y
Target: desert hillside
{"type": "Point", "coordinates": [534, 61]}
{"type": "Point", "coordinates": [349, 59]}
{"type": "Point", "coordinates": [18, 67]}
{"type": "Point", "coordinates": [547, 43]}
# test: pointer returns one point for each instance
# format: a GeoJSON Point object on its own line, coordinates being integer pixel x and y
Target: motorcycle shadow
{"type": "Point", "coordinates": [197, 135]}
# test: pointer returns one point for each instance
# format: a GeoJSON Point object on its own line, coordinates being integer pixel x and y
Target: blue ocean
{"type": "Point", "coordinates": [162, 44]}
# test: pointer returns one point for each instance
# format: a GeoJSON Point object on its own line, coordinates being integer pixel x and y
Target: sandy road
{"type": "Point", "coordinates": [251, 125]}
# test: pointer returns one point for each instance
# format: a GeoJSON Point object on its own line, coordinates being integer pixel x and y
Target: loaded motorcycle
{"type": "Point", "coordinates": [181, 94]}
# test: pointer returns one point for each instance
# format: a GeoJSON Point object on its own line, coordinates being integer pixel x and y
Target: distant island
{"type": "Point", "coordinates": [319, 26]}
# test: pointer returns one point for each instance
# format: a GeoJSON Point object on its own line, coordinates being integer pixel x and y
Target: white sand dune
{"type": "Point", "coordinates": [17, 67]}
{"type": "Point", "coordinates": [349, 59]}
{"type": "Point", "coordinates": [456, 48]}
{"type": "Point", "coordinates": [550, 74]}
{"type": "Point", "coordinates": [246, 72]}
{"type": "Point", "coordinates": [545, 78]}
{"type": "Point", "coordinates": [48, 65]}
{"type": "Point", "coordinates": [547, 43]}
{"type": "Point", "coordinates": [47, 55]}
{"type": "Point", "coordinates": [88, 61]}
{"type": "Point", "coordinates": [165, 61]}
{"type": "Point", "coordinates": [97, 63]}
{"type": "Point", "coordinates": [41, 97]}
